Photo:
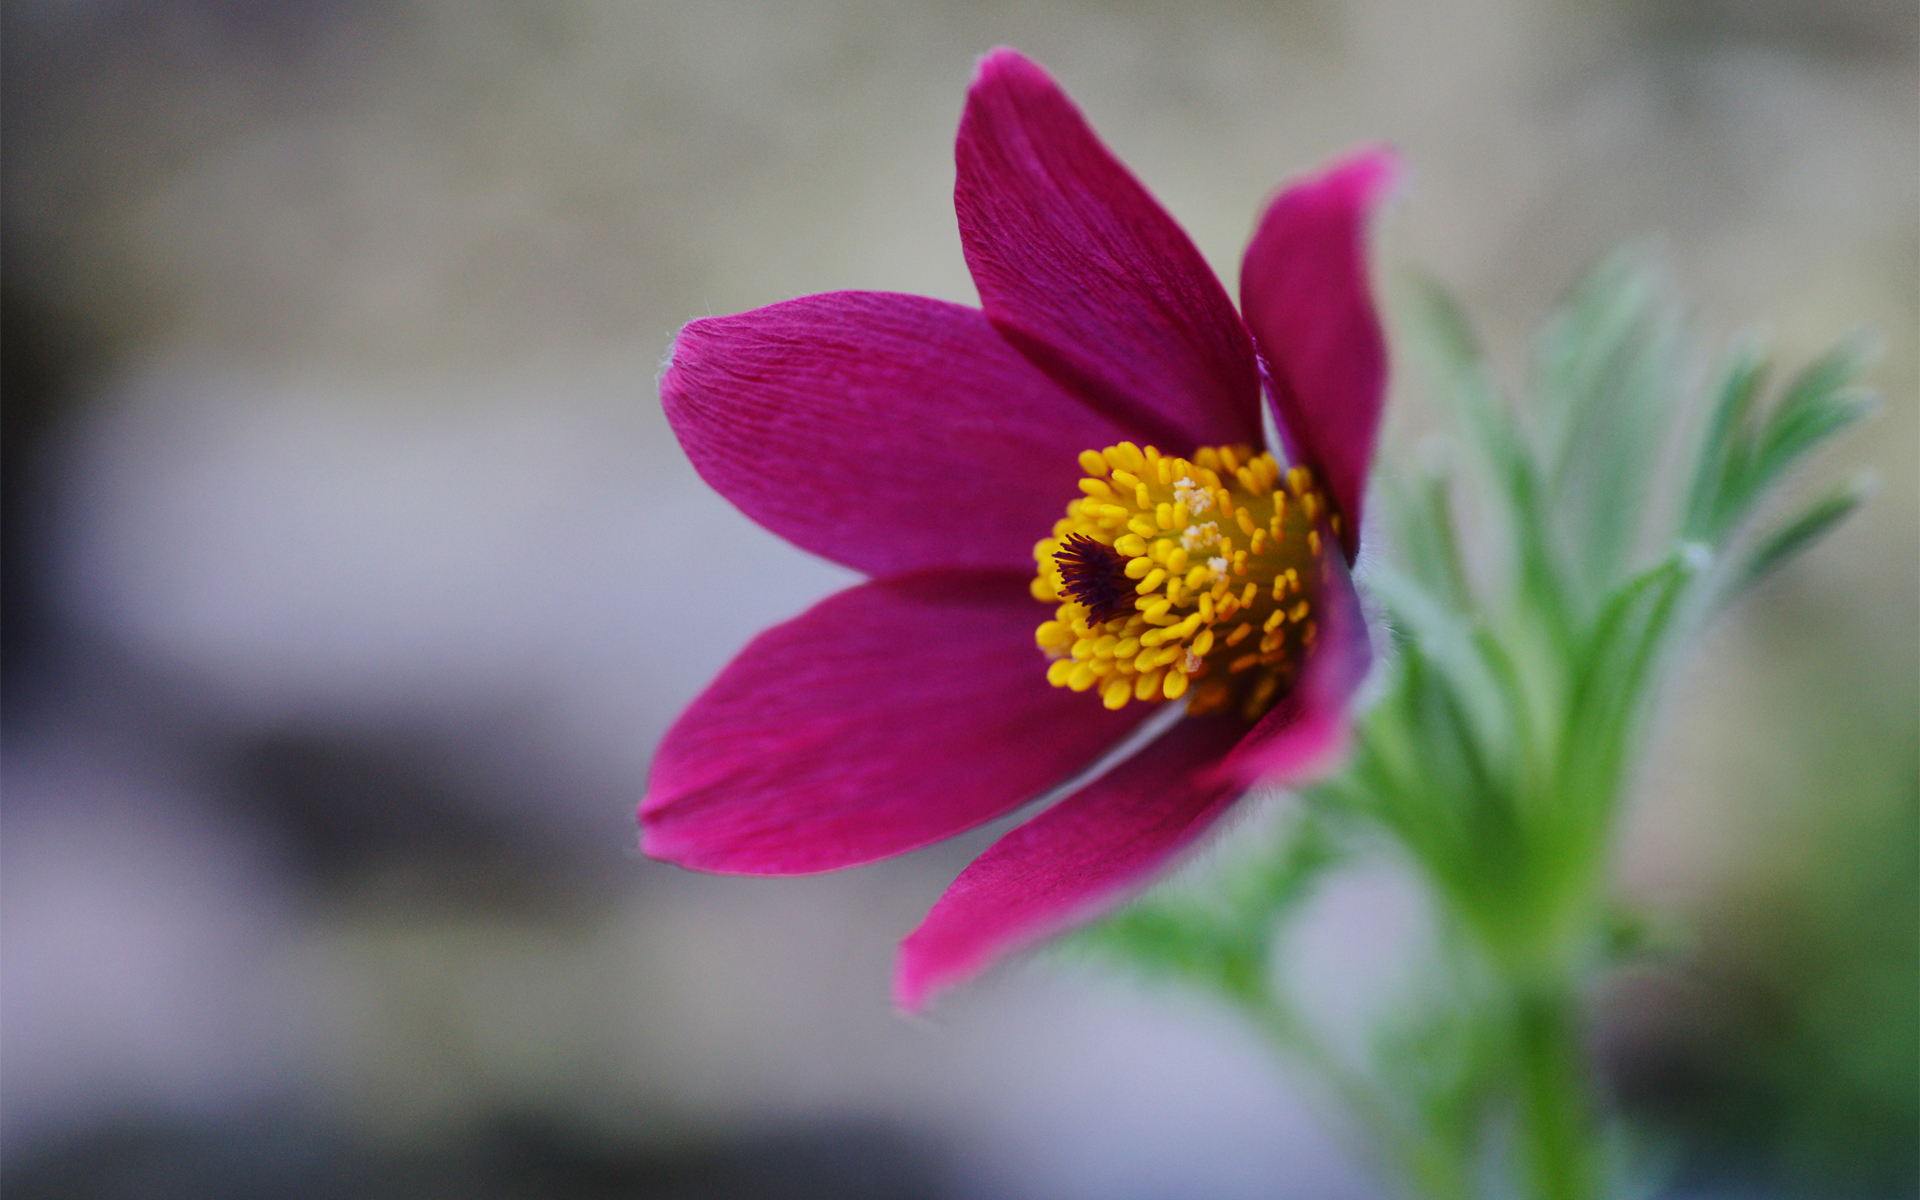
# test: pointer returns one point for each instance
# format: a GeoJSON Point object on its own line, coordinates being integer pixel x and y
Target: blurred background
{"type": "Point", "coordinates": [343, 607]}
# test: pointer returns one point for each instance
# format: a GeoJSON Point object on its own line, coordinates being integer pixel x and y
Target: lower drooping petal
{"type": "Point", "coordinates": [1305, 294]}
{"type": "Point", "coordinates": [887, 717]}
{"type": "Point", "coordinates": [1074, 860]}
{"type": "Point", "coordinates": [1307, 731]}
{"type": "Point", "coordinates": [889, 433]}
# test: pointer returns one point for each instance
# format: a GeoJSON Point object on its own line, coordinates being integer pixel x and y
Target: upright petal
{"type": "Point", "coordinates": [889, 716]}
{"type": "Point", "coordinates": [1075, 860]}
{"type": "Point", "coordinates": [1306, 733]}
{"type": "Point", "coordinates": [1304, 290]}
{"type": "Point", "coordinates": [1087, 274]}
{"type": "Point", "coordinates": [889, 433]}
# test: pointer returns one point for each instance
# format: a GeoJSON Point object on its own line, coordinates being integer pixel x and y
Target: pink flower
{"type": "Point", "coordinates": [930, 446]}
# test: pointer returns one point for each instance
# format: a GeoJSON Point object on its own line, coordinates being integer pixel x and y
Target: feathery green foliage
{"type": "Point", "coordinates": [1535, 587]}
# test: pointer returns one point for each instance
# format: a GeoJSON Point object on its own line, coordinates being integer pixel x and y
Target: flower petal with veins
{"type": "Point", "coordinates": [1074, 861]}
{"type": "Point", "coordinates": [847, 422]}
{"type": "Point", "coordinates": [888, 716]}
{"type": "Point", "coordinates": [1085, 272]}
{"type": "Point", "coordinates": [1304, 290]}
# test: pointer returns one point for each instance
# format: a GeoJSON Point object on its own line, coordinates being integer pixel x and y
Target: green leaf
{"type": "Point", "coordinates": [1440, 335]}
{"type": "Point", "coordinates": [1220, 934]}
{"type": "Point", "coordinates": [1613, 688]}
{"type": "Point", "coordinates": [1791, 537]}
{"type": "Point", "coordinates": [1818, 405]}
{"type": "Point", "coordinates": [1607, 371]}
{"type": "Point", "coordinates": [1438, 329]}
{"type": "Point", "coordinates": [1581, 348]}
{"type": "Point", "coordinates": [1426, 541]}
{"type": "Point", "coordinates": [1158, 937]}
{"type": "Point", "coordinates": [1476, 666]}
{"type": "Point", "coordinates": [1262, 892]}
{"type": "Point", "coordinates": [1723, 452]}
{"type": "Point", "coordinates": [1744, 453]}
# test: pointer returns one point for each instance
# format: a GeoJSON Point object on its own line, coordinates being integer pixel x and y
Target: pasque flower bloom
{"type": "Point", "coordinates": [930, 446]}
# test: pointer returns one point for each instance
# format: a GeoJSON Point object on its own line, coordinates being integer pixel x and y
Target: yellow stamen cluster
{"type": "Point", "coordinates": [1173, 575]}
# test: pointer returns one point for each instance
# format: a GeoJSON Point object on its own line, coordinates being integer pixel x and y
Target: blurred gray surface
{"type": "Point", "coordinates": [368, 573]}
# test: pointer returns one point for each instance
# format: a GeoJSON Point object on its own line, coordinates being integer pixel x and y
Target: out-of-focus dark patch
{"type": "Point", "coordinates": [1847, 29]}
{"type": "Point", "coordinates": [291, 1159]}
{"type": "Point", "coordinates": [411, 817]}
{"type": "Point", "coordinates": [268, 1156]}
{"type": "Point", "coordinates": [44, 355]}
{"type": "Point", "coordinates": [840, 1161]}
{"type": "Point", "coordinates": [1785, 1051]}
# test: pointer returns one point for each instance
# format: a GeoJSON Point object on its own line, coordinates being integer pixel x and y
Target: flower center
{"type": "Point", "coordinates": [1171, 574]}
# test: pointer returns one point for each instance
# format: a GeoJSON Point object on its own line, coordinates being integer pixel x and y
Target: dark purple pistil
{"type": "Point", "coordinates": [1095, 575]}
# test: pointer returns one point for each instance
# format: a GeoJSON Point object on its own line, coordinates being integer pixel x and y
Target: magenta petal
{"type": "Point", "coordinates": [889, 433]}
{"type": "Point", "coordinates": [888, 716]}
{"type": "Point", "coordinates": [1306, 733]}
{"type": "Point", "coordinates": [1087, 274]}
{"type": "Point", "coordinates": [1304, 290]}
{"type": "Point", "coordinates": [1073, 861]}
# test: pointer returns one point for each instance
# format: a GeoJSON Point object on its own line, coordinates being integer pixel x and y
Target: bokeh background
{"type": "Point", "coordinates": [351, 575]}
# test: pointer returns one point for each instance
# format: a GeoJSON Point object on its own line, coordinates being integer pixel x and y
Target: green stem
{"type": "Point", "coordinates": [1556, 1123]}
